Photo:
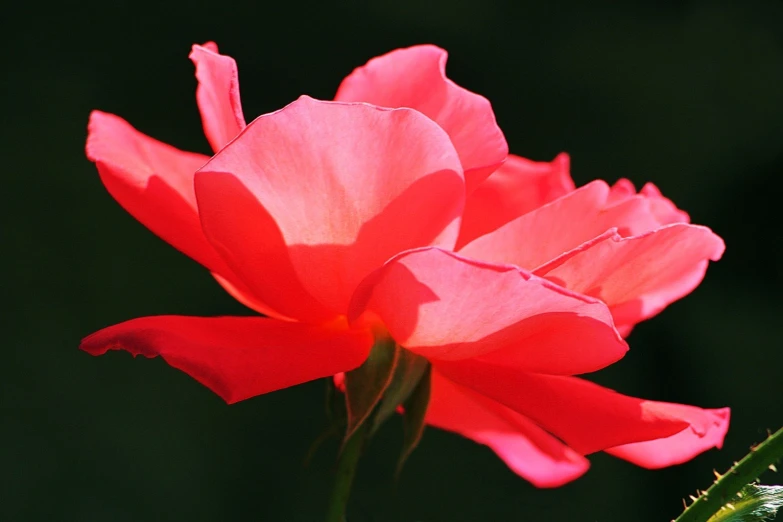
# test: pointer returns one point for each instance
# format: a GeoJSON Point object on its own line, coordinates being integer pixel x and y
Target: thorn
{"type": "Point", "coordinates": [753, 447]}
{"type": "Point", "coordinates": [730, 506]}
{"type": "Point", "coordinates": [717, 475]}
{"type": "Point", "coordinates": [693, 498]}
{"type": "Point", "coordinates": [773, 468]}
{"type": "Point", "coordinates": [684, 505]}
{"type": "Point", "coordinates": [739, 494]}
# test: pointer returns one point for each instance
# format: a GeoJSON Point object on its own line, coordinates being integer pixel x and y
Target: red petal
{"type": "Point", "coordinates": [639, 276]}
{"type": "Point", "coordinates": [442, 306]}
{"type": "Point", "coordinates": [238, 357]}
{"type": "Point", "coordinates": [516, 188]}
{"type": "Point", "coordinates": [154, 183]}
{"type": "Point", "coordinates": [564, 224]}
{"type": "Point", "coordinates": [582, 414]}
{"type": "Point", "coordinates": [309, 200]}
{"type": "Point", "coordinates": [680, 447]}
{"type": "Point", "coordinates": [662, 208]}
{"type": "Point", "coordinates": [217, 94]}
{"type": "Point", "coordinates": [416, 77]}
{"type": "Point", "coordinates": [527, 449]}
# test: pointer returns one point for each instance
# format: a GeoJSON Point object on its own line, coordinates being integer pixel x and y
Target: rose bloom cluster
{"type": "Point", "coordinates": [396, 212]}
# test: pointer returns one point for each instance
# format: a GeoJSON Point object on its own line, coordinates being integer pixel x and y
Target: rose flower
{"type": "Point", "coordinates": [394, 217]}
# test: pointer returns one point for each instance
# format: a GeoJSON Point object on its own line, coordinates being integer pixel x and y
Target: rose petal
{"type": "Point", "coordinates": [238, 357]}
{"type": "Point", "coordinates": [562, 225]}
{"type": "Point", "coordinates": [639, 276]}
{"type": "Point", "coordinates": [416, 77]}
{"type": "Point", "coordinates": [582, 414]}
{"type": "Point", "coordinates": [154, 183]}
{"type": "Point", "coordinates": [664, 210]}
{"type": "Point", "coordinates": [678, 448]}
{"type": "Point", "coordinates": [527, 449]}
{"type": "Point", "coordinates": [517, 187]}
{"type": "Point", "coordinates": [217, 94]}
{"type": "Point", "coordinates": [309, 200]}
{"type": "Point", "coordinates": [442, 306]}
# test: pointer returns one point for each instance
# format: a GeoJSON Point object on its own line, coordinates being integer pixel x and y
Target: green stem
{"type": "Point", "coordinates": [346, 469]}
{"type": "Point", "coordinates": [743, 472]}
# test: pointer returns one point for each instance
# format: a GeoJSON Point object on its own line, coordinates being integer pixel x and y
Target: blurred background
{"type": "Point", "coordinates": [686, 94]}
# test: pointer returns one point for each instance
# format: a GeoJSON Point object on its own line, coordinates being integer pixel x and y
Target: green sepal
{"type": "Point", "coordinates": [413, 417]}
{"type": "Point", "coordinates": [754, 503]}
{"type": "Point", "coordinates": [365, 385]}
{"type": "Point", "coordinates": [407, 375]}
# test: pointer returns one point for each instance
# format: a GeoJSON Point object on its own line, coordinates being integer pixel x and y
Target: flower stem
{"type": "Point", "coordinates": [727, 485]}
{"type": "Point", "coordinates": [346, 469]}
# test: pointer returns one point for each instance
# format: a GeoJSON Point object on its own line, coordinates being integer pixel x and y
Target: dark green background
{"type": "Point", "coordinates": [688, 95]}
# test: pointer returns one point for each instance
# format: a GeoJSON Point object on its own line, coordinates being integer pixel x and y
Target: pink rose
{"type": "Point", "coordinates": [403, 216]}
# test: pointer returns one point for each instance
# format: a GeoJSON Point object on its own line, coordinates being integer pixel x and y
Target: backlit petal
{"type": "Point", "coordinates": [639, 276]}
{"type": "Point", "coordinates": [564, 224]}
{"type": "Point", "coordinates": [680, 447]}
{"type": "Point", "coordinates": [527, 449]}
{"type": "Point", "coordinates": [664, 210]}
{"type": "Point", "coordinates": [585, 416]}
{"type": "Point", "coordinates": [153, 181]}
{"type": "Point", "coordinates": [238, 357]}
{"type": "Point", "coordinates": [217, 94]}
{"type": "Point", "coordinates": [416, 77]}
{"type": "Point", "coordinates": [309, 200]}
{"type": "Point", "coordinates": [517, 187]}
{"type": "Point", "coordinates": [442, 306]}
